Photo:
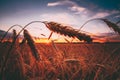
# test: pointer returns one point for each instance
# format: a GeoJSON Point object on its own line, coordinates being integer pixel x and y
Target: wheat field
{"type": "Point", "coordinates": [28, 60]}
{"type": "Point", "coordinates": [62, 61]}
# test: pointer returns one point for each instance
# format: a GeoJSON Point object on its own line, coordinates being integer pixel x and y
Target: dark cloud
{"type": "Point", "coordinates": [101, 4]}
{"type": "Point", "coordinates": [108, 4]}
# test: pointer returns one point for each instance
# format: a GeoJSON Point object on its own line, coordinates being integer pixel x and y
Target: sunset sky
{"type": "Point", "coordinates": [69, 12]}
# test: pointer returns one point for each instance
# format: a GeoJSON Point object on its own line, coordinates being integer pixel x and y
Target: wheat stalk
{"type": "Point", "coordinates": [9, 50]}
{"type": "Point", "coordinates": [67, 40]}
{"type": "Point", "coordinates": [63, 30]}
{"type": "Point", "coordinates": [31, 44]}
{"type": "Point", "coordinates": [9, 30]}
{"type": "Point", "coordinates": [50, 35]}
{"type": "Point", "coordinates": [67, 31]}
{"type": "Point", "coordinates": [14, 34]}
{"type": "Point", "coordinates": [72, 60]}
{"type": "Point", "coordinates": [112, 25]}
{"type": "Point", "coordinates": [16, 65]}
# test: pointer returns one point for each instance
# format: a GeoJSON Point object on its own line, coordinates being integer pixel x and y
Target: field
{"type": "Point", "coordinates": [60, 61]}
{"type": "Point", "coordinates": [24, 59]}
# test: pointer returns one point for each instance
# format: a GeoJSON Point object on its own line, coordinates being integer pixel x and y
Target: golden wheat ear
{"type": "Point", "coordinates": [112, 25]}
{"type": "Point", "coordinates": [31, 44]}
{"type": "Point", "coordinates": [67, 31]}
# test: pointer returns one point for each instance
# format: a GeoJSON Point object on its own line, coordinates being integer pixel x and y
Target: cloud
{"type": "Point", "coordinates": [70, 5]}
{"type": "Point", "coordinates": [63, 2]}
{"type": "Point", "coordinates": [114, 16]}
{"type": "Point", "coordinates": [54, 4]}
{"type": "Point", "coordinates": [101, 15]}
{"type": "Point", "coordinates": [79, 10]}
{"type": "Point", "coordinates": [59, 17]}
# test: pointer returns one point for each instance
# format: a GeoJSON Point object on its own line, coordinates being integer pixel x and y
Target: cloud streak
{"type": "Point", "coordinates": [72, 6]}
{"type": "Point", "coordinates": [63, 2]}
{"type": "Point", "coordinates": [54, 4]}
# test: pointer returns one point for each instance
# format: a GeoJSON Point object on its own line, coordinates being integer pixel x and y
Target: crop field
{"type": "Point", "coordinates": [86, 60]}
{"type": "Point", "coordinates": [61, 61]}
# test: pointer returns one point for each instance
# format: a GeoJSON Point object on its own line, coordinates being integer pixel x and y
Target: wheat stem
{"type": "Point", "coordinates": [9, 30]}
{"type": "Point", "coordinates": [50, 35]}
{"type": "Point", "coordinates": [6, 58]}
{"type": "Point", "coordinates": [114, 26]}
{"type": "Point", "coordinates": [88, 21]}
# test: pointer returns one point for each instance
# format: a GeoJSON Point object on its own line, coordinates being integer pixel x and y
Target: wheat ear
{"type": "Point", "coordinates": [31, 44]}
{"type": "Point", "coordinates": [112, 25]}
{"type": "Point", "coordinates": [67, 31]}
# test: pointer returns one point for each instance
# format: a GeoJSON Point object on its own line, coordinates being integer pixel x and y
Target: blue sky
{"type": "Point", "coordinates": [69, 12]}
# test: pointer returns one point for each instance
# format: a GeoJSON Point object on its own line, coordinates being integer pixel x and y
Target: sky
{"type": "Point", "coordinates": [69, 12]}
